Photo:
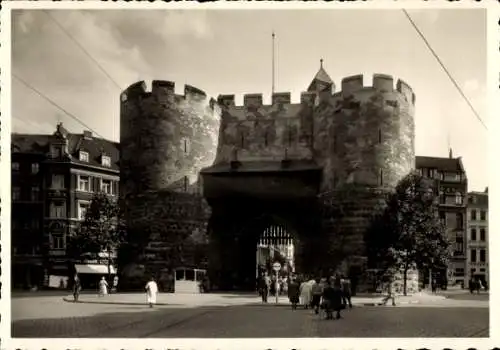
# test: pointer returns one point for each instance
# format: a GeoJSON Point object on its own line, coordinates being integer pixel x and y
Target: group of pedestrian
{"type": "Point", "coordinates": [331, 294]}
{"type": "Point", "coordinates": [475, 285]}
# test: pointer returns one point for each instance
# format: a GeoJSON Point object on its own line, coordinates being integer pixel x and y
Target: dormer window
{"type": "Point", "coordinates": [83, 156]}
{"type": "Point", "coordinates": [56, 151]}
{"type": "Point", "coordinates": [106, 161]}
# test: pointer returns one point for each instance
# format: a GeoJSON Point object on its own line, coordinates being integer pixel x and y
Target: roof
{"type": "Point", "coordinates": [323, 76]}
{"type": "Point", "coordinates": [480, 199]}
{"type": "Point", "coordinates": [320, 79]}
{"type": "Point", "coordinates": [440, 163]}
{"type": "Point", "coordinates": [96, 147]}
{"type": "Point", "coordinates": [262, 167]}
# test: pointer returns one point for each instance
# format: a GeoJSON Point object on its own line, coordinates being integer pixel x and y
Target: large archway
{"type": "Point", "coordinates": [235, 236]}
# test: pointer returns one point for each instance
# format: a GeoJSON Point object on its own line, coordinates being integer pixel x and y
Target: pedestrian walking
{"type": "Point", "coordinates": [306, 293]}
{"type": "Point", "coordinates": [317, 292]}
{"type": "Point", "coordinates": [151, 292]}
{"type": "Point", "coordinates": [114, 288]}
{"type": "Point", "coordinates": [264, 287]}
{"type": "Point", "coordinates": [346, 291]}
{"type": "Point", "coordinates": [390, 294]}
{"type": "Point", "coordinates": [332, 296]}
{"type": "Point", "coordinates": [77, 287]}
{"type": "Point", "coordinates": [434, 286]}
{"type": "Point", "coordinates": [293, 293]}
{"type": "Point", "coordinates": [103, 287]}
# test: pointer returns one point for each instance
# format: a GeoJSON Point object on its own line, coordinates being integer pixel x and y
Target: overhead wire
{"type": "Point", "coordinates": [422, 36]}
{"type": "Point", "coordinates": [55, 104]}
{"type": "Point", "coordinates": [87, 53]}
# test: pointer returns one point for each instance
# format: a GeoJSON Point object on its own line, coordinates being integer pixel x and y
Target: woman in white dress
{"type": "Point", "coordinates": [103, 287]}
{"type": "Point", "coordinates": [306, 293]}
{"type": "Point", "coordinates": [151, 292]}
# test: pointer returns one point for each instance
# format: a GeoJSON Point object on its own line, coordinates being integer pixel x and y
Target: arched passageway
{"type": "Point", "coordinates": [235, 237]}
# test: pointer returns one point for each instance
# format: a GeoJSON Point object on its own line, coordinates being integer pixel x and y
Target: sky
{"type": "Point", "coordinates": [229, 52]}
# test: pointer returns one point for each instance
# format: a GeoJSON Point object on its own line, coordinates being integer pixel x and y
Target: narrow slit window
{"type": "Point", "coordinates": [289, 136]}
{"type": "Point", "coordinates": [242, 140]}
{"type": "Point", "coordinates": [381, 177]}
{"type": "Point", "coordinates": [185, 183]}
{"type": "Point", "coordinates": [379, 136]}
{"type": "Point", "coordinates": [266, 140]}
{"type": "Point", "coordinates": [185, 146]}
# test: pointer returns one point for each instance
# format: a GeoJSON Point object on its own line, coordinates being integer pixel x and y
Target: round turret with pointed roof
{"type": "Point", "coordinates": [321, 81]}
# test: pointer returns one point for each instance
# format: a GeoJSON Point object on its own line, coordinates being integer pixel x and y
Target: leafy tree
{"type": "Point", "coordinates": [408, 232]}
{"type": "Point", "coordinates": [101, 230]}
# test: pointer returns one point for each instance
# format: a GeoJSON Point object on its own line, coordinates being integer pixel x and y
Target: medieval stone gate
{"type": "Point", "coordinates": [250, 166]}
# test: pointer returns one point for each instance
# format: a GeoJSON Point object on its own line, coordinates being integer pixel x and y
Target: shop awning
{"type": "Point", "coordinates": [94, 269]}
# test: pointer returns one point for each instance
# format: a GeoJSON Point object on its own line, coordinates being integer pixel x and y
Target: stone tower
{"type": "Point", "coordinates": [165, 140]}
{"type": "Point", "coordinates": [364, 140]}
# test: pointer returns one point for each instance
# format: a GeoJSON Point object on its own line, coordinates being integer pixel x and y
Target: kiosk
{"type": "Point", "coordinates": [188, 280]}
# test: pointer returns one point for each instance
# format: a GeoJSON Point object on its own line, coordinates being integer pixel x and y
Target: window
{"type": "Point", "coordinates": [442, 197]}
{"type": "Point", "coordinates": [483, 215]}
{"type": "Point", "coordinates": [84, 156]}
{"type": "Point", "coordinates": [35, 167]}
{"type": "Point", "coordinates": [482, 255]}
{"type": "Point", "coordinates": [16, 193]}
{"type": "Point", "coordinates": [458, 177]}
{"type": "Point", "coordinates": [473, 199]}
{"type": "Point", "coordinates": [35, 223]}
{"type": "Point", "coordinates": [473, 255]}
{"type": "Point", "coordinates": [57, 241]}
{"type": "Point", "coordinates": [482, 235]}
{"type": "Point", "coordinates": [441, 176]}
{"type": "Point", "coordinates": [106, 161]}
{"type": "Point", "coordinates": [15, 166]}
{"type": "Point", "coordinates": [82, 209]}
{"type": "Point", "coordinates": [186, 145]}
{"type": "Point", "coordinates": [58, 209]}
{"type": "Point", "coordinates": [473, 234]}
{"type": "Point", "coordinates": [107, 186]}
{"type": "Point", "coordinates": [35, 194]}
{"type": "Point", "coordinates": [83, 183]}
{"type": "Point", "coordinates": [381, 177]}
{"type": "Point", "coordinates": [482, 270]}
{"type": "Point", "coordinates": [442, 218]}
{"type": "Point", "coordinates": [459, 198]}
{"type": "Point", "coordinates": [57, 181]}
{"type": "Point", "coordinates": [459, 247]}
{"type": "Point", "coordinates": [459, 221]}
{"type": "Point", "coordinates": [379, 136]}
{"type": "Point", "coordinates": [473, 214]}
{"type": "Point", "coordinates": [56, 151]}
{"type": "Point", "coordinates": [459, 272]}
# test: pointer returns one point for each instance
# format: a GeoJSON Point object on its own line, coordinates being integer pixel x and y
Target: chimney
{"type": "Point", "coordinates": [451, 153]}
{"type": "Point", "coordinates": [87, 135]}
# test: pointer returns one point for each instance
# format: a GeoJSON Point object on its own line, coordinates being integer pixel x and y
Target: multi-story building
{"type": "Point", "coordinates": [451, 180]}
{"type": "Point", "coordinates": [53, 180]}
{"type": "Point", "coordinates": [477, 236]}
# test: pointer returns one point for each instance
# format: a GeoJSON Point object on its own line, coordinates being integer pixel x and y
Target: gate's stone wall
{"type": "Point", "coordinates": [362, 137]}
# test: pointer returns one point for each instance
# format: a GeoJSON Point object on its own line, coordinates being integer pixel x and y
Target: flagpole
{"type": "Point", "coordinates": [273, 66]}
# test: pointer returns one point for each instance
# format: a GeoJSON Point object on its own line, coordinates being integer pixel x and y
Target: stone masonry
{"type": "Point", "coordinates": [361, 139]}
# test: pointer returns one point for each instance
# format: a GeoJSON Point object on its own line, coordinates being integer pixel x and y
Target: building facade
{"type": "Point", "coordinates": [451, 179]}
{"type": "Point", "coordinates": [478, 236]}
{"type": "Point", "coordinates": [53, 180]}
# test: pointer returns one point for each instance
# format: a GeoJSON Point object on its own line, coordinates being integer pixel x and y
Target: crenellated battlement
{"type": "Point", "coordinates": [380, 82]}
{"type": "Point", "coordinates": [160, 88]}
{"type": "Point", "coordinates": [256, 100]}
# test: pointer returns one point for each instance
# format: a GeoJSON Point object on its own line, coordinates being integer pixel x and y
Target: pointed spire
{"type": "Point", "coordinates": [321, 80]}
{"type": "Point", "coordinates": [451, 153]}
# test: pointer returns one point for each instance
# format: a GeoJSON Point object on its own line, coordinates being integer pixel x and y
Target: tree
{"type": "Point", "coordinates": [102, 229]}
{"type": "Point", "coordinates": [408, 232]}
